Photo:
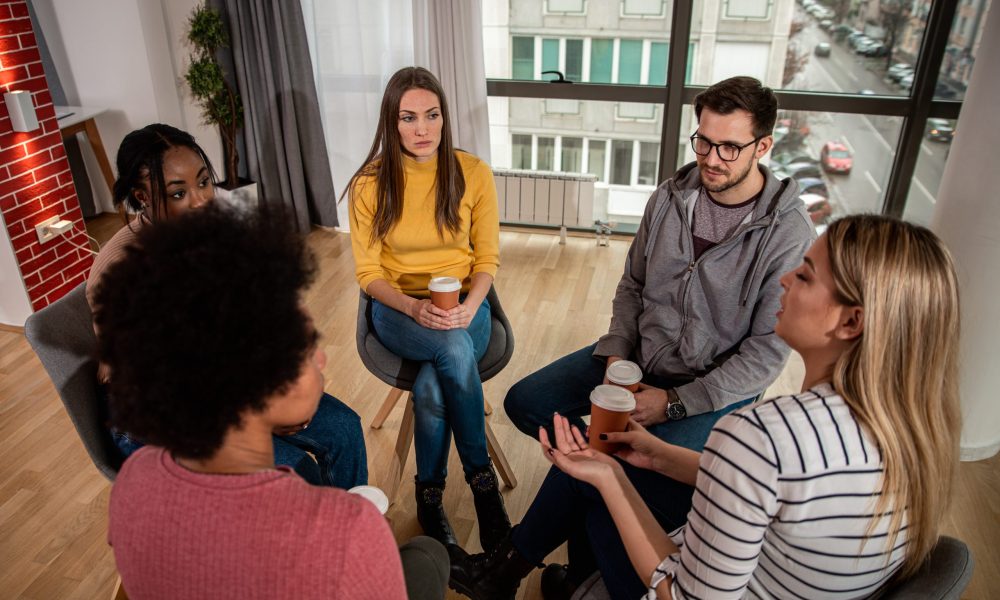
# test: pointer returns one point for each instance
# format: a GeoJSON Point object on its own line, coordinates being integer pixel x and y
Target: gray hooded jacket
{"type": "Point", "coordinates": [710, 320]}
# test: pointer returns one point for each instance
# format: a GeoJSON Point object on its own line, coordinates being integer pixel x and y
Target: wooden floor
{"type": "Point", "coordinates": [53, 502]}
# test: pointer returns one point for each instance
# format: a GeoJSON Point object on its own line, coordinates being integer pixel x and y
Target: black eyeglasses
{"type": "Point", "coordinates": [726, 151]}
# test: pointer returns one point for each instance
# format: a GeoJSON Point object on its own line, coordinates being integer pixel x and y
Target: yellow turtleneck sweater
{"type": "Point", "coordinates": [413, 252]}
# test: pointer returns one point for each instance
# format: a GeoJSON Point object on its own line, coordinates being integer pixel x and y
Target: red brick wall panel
{"type": "Point", "coordinates": [10, 42]}
{"type": "Point", "coordinates": [14, 26]}
{"type": "Point", "coordinates": [19, 10]}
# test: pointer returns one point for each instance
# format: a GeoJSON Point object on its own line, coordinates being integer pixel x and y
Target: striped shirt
{"type": "Point", "coordinates": [784, 496]}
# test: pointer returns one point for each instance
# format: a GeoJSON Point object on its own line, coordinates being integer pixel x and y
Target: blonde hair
{"type": "Point", "coordinates": [900, 378]}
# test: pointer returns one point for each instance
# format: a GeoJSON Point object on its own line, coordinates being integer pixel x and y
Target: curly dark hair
{"type": "Point", "coordinates": [200, 321]}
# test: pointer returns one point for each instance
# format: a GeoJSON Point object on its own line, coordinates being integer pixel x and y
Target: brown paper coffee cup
{"type": "Point", "coordinates": [610, 407]}
{"type": "Point", "coordinates": [625, 373]}
{"type": "Point", "coordinates": [444, 292]}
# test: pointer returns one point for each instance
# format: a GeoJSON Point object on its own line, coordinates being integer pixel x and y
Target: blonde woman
{"type": "Point", "coordinates": [829, 493]}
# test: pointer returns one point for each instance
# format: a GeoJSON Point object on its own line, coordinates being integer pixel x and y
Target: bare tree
{"type": "Point", "coordinates": [895, 15]}
{"type": "Point", "coordinates": [795, 62]}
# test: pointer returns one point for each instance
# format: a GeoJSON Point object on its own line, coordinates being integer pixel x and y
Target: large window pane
{"type": "Point", "coordinates": [523, 58]}
{"type": "Point", "coordinates": [621, 162]}
{"type": "Point", "coordinates": [574, 60]}
{"type": "Point", "coordinates": [571, 155]}
{"type": "Point", "coordinates": [629, 61]}
{"type": "Point", "coordinates": [649, 159]}
{"type": "Point", "coordinates": [521, 151]}
{"type": "Point", "coordinates": [601, 54]}
{"type": "Point", "coordinates": [934, 147]}
{"type": "Point", "coordinates": [546, 154]}
{"type": "Point", "coordinates": [962, 49]}
{"type": "Point", "coordinates": [658, 63]}
{"type": "Point", "coordinates": [550, 56]}
{"type": "Point", "coordinates": [597, 150]}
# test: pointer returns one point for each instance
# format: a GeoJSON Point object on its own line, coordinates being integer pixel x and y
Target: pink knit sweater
{"type": "Point", "coordinates": [180, 534]}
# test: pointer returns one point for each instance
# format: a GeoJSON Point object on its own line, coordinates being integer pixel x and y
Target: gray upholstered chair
{"type": "Point", "coordinates": [400, 374]}
{"type": "Point", "coordinates": [944, 576]}
{"type": "Point", "coordinates": [62, 335]}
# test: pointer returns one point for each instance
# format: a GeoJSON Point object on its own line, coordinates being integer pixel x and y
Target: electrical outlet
{"type": "Point", "coordinates": [51, 228]}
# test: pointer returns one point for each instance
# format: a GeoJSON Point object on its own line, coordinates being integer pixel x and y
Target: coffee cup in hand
{"type": "Point", "coordinates": [444, 292]}
{"type": "Point", "coordinates": [624, 373]}
{"type": "Point", "coordinates": [610, 407]}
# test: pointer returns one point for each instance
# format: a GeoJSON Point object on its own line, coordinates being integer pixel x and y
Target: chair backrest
{"type": "Point", "coordinates": [944, 576]}
{"type": "Point", "coordinates": [400, 373]}
{"type": "Point", "coordinates": [62, 335]}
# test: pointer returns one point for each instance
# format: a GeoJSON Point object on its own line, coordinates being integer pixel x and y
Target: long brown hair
{"type": "Point", "coordinates": [900, 378]}
{"type": "Point", "coordinates": [385, 159]}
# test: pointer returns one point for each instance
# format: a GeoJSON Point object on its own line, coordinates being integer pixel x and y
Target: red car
{"type": "Point", "coordinates": [836, 158]}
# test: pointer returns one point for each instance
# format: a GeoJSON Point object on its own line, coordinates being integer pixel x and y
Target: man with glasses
{"type": "Point", "coordinates": [697, 304]}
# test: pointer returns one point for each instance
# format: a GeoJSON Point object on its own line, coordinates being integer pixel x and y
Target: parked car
{"type": "Point", "coordinates": [943, 90]}
{"type": "Point", "coordinates": [864, 45]}
{"type": "Point", "coordinates": [787, 158]}
{"type": "Point", "coordinates": [836, 158]}
{"type": "Point", "coordinates": [826, 24]}
{"type": "Point", "coordinates": [799, 171]}
{"type": "Point", "coordinates": [898, 71]}
{"type": "Point", "coordinates": [940, 130]}
{"type": "Point", "coordinates": [854, 38]}
{"type": "Point", "coordinates": [817, 206]}
{"type": "Point", "coordinates": [813, 185]}
{"type": "Point", "coordinates": [906, 81]}
{"type": "Point", "coordinates": [875, 50]}
{"type": "Point", "coordinates": [822, 49]}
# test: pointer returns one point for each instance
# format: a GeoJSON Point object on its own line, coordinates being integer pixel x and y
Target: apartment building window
{"type": "Point", "coordinates": [747, 9]}
{"type": "Point", "coordinates": [621, 162]}
{"type": "Point", "coordinates": [640, 111]}
{"type": "Point", "coordinates": [546, 154]}
{"type": "Point", "coordinates": [521, 151]}
{"type": "Point", "coordinates": [601, 60]}
{"type": "Point", "coordinates": [649, 161]}
{"type": "Point", "coordinates": [565, 6]}
{"type": "Point", "coordinates": [630, 61]}
{"type": "Point", "coordinates": [571, 154]}
{"type": "Point", "coordinates": [597, 151]}
{"type": "Point", "coordinates": [643, 8]}
{"type": "Point", "coordinates": [574, 60]}
{"type": "Point", "coordinates": [657, 72]}
{"type": "Point", "coordinates": [523, 57]}
{"type": "Point", "coordinates": [558, 106]}
{"type": "Point", "coordinates": [550, 54]}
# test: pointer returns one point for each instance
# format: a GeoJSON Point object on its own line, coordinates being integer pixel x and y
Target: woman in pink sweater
{"type": "Point", "coordinates": [212, 349]}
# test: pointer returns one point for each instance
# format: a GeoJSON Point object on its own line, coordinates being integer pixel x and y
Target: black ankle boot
{"type": "Point", "coordinates": [430, 513]}
{"type": "Point", "coordinates": [494, 576]}
{"type": "Point", "coordinates": [556, 584]}
{"type": "Point", "coordinates": [493, 522]}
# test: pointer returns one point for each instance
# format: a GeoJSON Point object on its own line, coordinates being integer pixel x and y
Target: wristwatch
{"type": "Point", "coordinates": [675, 408]}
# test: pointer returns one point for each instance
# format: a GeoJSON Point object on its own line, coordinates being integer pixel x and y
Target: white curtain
{"type": "Point", "coordinates": [356, 45]}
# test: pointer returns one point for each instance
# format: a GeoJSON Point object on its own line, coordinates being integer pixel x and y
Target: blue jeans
{"type": "Point", "coordinates": [564, 386]}
{"type": "Point", "coordinates": [568, 510]}
{"type": "Point", "coordinates": [447, 393]}
{"type": "Point", "coordinates": [334, 437]}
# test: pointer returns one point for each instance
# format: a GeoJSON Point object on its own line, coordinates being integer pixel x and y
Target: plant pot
{"type": "Point", "coordinates": [242, 197]}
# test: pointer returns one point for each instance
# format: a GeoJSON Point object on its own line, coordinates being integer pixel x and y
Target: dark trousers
{"type": "Point", "coordinates": [568, 510]}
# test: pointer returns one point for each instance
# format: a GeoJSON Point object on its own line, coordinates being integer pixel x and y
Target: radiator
{"type": "Point", "coordinates": [545, 198]}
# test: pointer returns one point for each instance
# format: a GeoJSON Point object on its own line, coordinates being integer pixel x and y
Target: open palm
{"type": "Point", "coordinates": [573, 455]}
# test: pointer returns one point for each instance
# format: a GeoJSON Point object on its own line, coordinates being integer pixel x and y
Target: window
{"type": "Point", "coordinates": [574, 60]}
{"type": "Point", "coordinates": [565, 6]}
{"type": "Point", "coordinates": [747, 9]}
{"type": "Point", "coordinates": [636, 110]}
{"type": "Point", "coordinates": [597, 154]}
{"type": "Point", "coordinates": [657, 73]}
{"type": "Point", "coordinates": [521, 155]}
{"type": "Point", "coordinates": [550, 57]}
{"type": "Point", "coordinates": [546, 154]}
{"type": "Point", "coordinates": [571, 155]}
{"type": "Point", "coordinates": [523, 58]}
{"type": "Point", "coordinates": [558, 106]}
{"type": "Point", "coordinates": [629, 61]}
{"type": "Point", "coordinates": [601, 56]}
{"type": "Point", "coordinates": [621, 162]}
{"type": "Point", "coordinates": [642, 8]}
{"type": "Point", "coordinates": [649, 160]}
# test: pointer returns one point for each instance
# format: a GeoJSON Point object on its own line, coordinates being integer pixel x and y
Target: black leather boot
{"type": "Point", "coordinates": [556, 584]}
{"type": "Point", "coordinates": [493, 522]}
{"type": "Point", "coordinates": [494, 576]}
{"type": "Point", "coordinates": [430, 513]}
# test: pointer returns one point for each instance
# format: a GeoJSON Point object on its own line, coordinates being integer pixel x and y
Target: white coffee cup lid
{"type": "Point", "coordinates": [445, 284]}
{"type": "Point", "coordinates": [612, 397]}
{"type": "Point", "coordinates": [373, 495]}
{"type": "Point", "coordinates": [624, 372]}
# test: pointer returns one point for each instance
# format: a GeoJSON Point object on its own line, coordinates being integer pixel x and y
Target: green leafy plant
{"type": "Point", "coordinates": [220, 103]}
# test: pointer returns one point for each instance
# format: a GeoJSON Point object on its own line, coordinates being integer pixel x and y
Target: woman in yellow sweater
{"type": "Point", "coordinates": [419, 209]}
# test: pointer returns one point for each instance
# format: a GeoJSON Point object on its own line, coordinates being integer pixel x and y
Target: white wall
{"type": "Point", "coordinates": [14, 304]}
{"type": "Point", "coordinates": [967, 217]}
{"type": "Point", "coordinates": [125, 56]}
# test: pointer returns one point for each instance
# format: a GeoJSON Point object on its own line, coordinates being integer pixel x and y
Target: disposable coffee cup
{"type": "Point", "coordinates": [373, 495]}
{"type": "Point", "coordinates": [444, 292]}
{"type": "Point", "coordinates": [610, 407]}
{"type": "Point", "coordinates": [625, 373]}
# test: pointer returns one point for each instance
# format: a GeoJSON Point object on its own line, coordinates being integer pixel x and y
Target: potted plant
{"type": "Point", "coordinates": [220, 103]}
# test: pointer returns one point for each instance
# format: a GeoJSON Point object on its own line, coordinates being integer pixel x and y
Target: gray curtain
{"type": "Point", "coordinates": [284, 150]}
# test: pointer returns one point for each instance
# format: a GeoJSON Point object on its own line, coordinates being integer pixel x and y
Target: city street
{"type": "Point", "coordinates": [871, 139]}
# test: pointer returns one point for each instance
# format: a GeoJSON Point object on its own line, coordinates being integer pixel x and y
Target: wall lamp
{"type": "Point", "coordinates": [21, 110]}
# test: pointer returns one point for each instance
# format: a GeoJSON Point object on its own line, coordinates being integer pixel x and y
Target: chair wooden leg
{"type": "Point", "coordinates": [387, 405]}
{"type": "Point", "coordinates": [487, 408]}
{"type": "Point", "coordinates": [119, 592]}
{"type": "Point", "coordinates": [499, 460]}
{"type": "Point", "coordinates": [403, 442]}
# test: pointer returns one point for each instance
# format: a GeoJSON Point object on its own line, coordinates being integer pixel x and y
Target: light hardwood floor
{"type": "Point", "coordinates": [53, 502]}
